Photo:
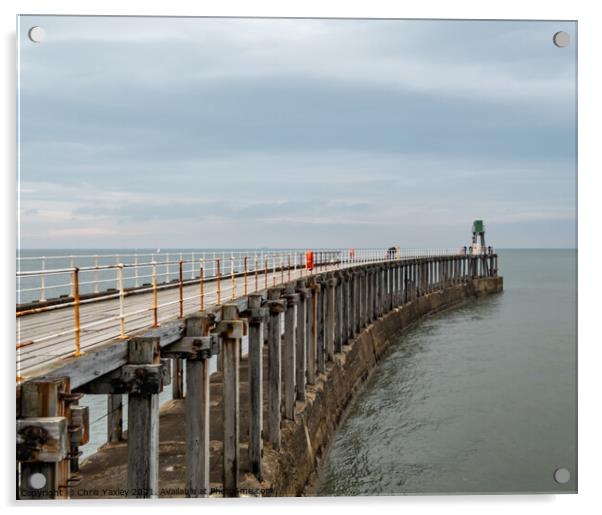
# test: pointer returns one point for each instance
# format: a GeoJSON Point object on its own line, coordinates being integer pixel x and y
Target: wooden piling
{"type": "Point", "coordinates": [301, 343]}
{"type": "Point", "coordinates": [44, 472]}
{"type": "Point", "coordinates": [143, 418]}
{"type": "Point", "coordinates": [311, 331]}
{"type": "Point", "coordinates": [255, 316]}
{"type": "Point", "coordinates": [321, 308]}
{"type": "Point", "coordinates": [275, 307]}
{"type": "Point", "coordinates": [197, 411]}
{"type": "Point", "coordinates": [177, 382]}
{"type": "Point", "coordinates": [114, 418]}
{"type": "Point", "coordinates": [231, 330]}
{"type": "Point", "coordinates": [345, 294]}
{"type": "Point", "coordinates": [289, 352]}
{"type": "Point", "coordinates": [330, 317]}
{"type": "Point", "coordinates": [352, 304]}
{"type": "Point", "coordinates": [338, 326]}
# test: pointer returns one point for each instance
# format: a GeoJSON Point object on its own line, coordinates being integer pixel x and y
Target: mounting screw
{"type": "Point", "coordinates": [561, 39]}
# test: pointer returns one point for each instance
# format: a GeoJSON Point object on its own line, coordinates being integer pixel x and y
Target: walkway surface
{"type": "Point", "coordinates": [49, 335]}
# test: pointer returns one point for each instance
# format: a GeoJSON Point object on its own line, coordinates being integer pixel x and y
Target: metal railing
{"type": "Point", "coordinates": [176, 286]}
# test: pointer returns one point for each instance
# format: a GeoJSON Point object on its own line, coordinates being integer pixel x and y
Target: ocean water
{"type": "Point", "coordinates": [478, 399]}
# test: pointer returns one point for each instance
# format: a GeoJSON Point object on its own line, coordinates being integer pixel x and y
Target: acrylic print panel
{"type": "Point", "coordinates": [296, 207]}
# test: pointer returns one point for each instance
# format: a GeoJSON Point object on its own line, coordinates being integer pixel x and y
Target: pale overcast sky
{"type": "Point", "coordinates": [184, 132]}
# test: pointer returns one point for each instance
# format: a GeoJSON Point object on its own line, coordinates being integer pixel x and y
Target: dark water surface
{"type": "Point", "coordinates": [477, 399]}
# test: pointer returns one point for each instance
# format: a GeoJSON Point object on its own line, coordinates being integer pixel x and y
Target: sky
{"type": "Point", "coordinates": [205, 133]}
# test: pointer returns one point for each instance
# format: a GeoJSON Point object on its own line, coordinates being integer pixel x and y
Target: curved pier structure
{"type": "Point", "coordinates": [259, 424]}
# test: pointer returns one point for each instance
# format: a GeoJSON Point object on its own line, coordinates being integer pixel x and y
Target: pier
{"type": "Point", "coordinates": [314, 325]}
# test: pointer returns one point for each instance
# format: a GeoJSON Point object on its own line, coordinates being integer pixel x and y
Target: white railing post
{"type": "Point", "coordinates": [232, 274]}
{"type": "Point", "coordinates": [71, 286]}
{"type": "Point", "coordinates": [121, 301]}
{"type": "Point", "coordinates": [136, 284]}
{"type": "Point", "coordinates": [96, 275]}
{"type": "Point", "coordinates": [167, 273]}
{"type": "Point", "coordinates": [43, 281]}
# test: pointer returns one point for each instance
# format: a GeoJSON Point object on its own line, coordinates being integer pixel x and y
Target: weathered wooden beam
{"type": "Point", "coordinates": [321, 290]}
{"type": "Point", "coordinates": [289, 352]}
{"type": "Point", "coordinates": [255, 316]}
{"type": "Point", "coordinates": [143, 418]}
{"type": "Point", "coordinates": [127, 380]}
{"type": "Point", "coordinates": [311, 330]}
{"type": "Point", "coordinates": [199, 349]}
{"type": "Point", "coordinates": [115, 418]}
{"type": "Point", "coordinates": [330, 317]}
{"type": "Point", "coordinates": [177, 382]}
{"type": "Point", "coordinates": [275, 307]}
{"type": "Point", "coordinates": [338, 303]}
{"type": "Point", "coordinates": [43, 439]}
{"type": "Point", "coordinates": [345, 294]}
{"type": "Point", "coordinates": [301, 339]}
{"type": "Point", "coordinates": [231, 329]}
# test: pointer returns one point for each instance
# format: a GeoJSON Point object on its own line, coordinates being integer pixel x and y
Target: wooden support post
{"type": "Point", "coordinates": [359, 322]}
{"type": "Point", "coordinates": [339, 330]}
{"type": "Point", "coordinates": [301, 344]}
{"type": "Point", "coordinates": [289, 352]}
{"type": "Point", "coordinates": [391, 281]}
{"type": "Point", "coordinates": [374, 291]}
{"type": "Point", "coordinates": [365, 296]}
{"type": "Point", "coordinates": [395, 293]}
{"type": "Point", "coordinates": [368, 300]}
{"type": "Point", "coordinates": [43, 442]}
{"type": "Point", "coordinates": [321, 292]}
{"type": "Point", "coordinates": [275, 307]}
{"type": "Point", "coordinates": [429, 274]}
{"type": "Point", "coordinates": [311, 330]}
{"type": "Point", "coordinates": [197, 410]}
{"type": "Point", "coordinates": [418, 277]}
{"type": "Point", "coordinates": [143, 417]}
{"type": "Point", "coordinates": [231, 329]}
{"type": "Point", "coordinates": [330, 318]}
{"type": "Point", "coordinates": [415, 279]}
{"type": "Point", "coordinates": [356, 303]}
{"type": "Point", "coordinates": [177, 384]}
{"type": "Point", "coordinates": [115, 418]}
{"type": "Point", "coordinates": [399, 284]}
{"type": "Point", "coordinates": [352, 298]}
{"type": "Point", "coordinates": [255, 316]}
{"type": "Point", "coordinates": [379, 290]}
{"type": "Point", "coordinates": [383, 289]}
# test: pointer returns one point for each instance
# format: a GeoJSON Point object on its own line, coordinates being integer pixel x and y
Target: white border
{"type": "Point", "coordinates": [590, 141]}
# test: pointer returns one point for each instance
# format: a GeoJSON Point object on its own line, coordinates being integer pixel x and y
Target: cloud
{"type": "Point", "coordinates": [139, 126]}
